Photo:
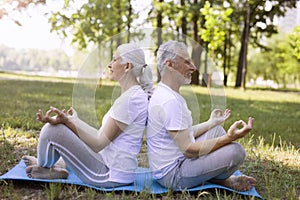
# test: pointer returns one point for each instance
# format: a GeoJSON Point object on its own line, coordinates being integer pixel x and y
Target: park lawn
{"type": "Point", "coordinates": [272, 147]}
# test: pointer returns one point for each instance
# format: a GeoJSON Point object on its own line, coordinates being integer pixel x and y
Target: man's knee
{"type": "Point", "coordinates": [238, 152]}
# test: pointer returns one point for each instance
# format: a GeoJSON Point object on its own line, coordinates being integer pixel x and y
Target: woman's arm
{"type": "Point", "coordinates": [217, 117]}
{"type": "Point", "coordinates": [196, 149]}
{"type": "Point", "coordinates": [102, 138]}
{"type": "Point", "coordinates": [96, 139]}
{"type": "Point", "coordinates": [65, 117]}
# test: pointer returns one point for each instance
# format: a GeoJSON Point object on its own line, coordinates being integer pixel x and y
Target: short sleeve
{"type": "Point", "coordinates": [129, 106]}
{"type": "Point", "coordinates": [176, 115]}
{"type": "Point", "coordinates": [170, 114]}
{"type": "Point", "coordinates": [120, 111]}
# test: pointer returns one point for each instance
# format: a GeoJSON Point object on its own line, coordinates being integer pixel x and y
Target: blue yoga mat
{"type": "Point", "coordinates": [143, 182]}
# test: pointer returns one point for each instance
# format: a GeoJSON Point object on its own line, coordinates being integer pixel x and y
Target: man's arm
{"type": "Point", "coordinates": [196, 149]}
{"type": "Point", "coordinates": [217, 117]}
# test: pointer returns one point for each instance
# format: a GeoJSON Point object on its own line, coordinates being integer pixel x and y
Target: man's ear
{"type": "Point", "coordinates": [169, 63]}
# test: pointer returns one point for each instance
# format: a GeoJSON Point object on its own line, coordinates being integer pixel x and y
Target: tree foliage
{"type": "Point", "coordinates": [94, 22]}
{"type": "Point", "coordinates": [9, 7]}
{"type": "Point", "coordinates": [283, 68]}
{"type": "Point", "coordinates": [295, 42]}
{"type": "Point", "coordinates": [216, 25]}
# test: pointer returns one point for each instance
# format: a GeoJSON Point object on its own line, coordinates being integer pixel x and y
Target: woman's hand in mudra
{"type": "Point", "coordinates": [61, 116]}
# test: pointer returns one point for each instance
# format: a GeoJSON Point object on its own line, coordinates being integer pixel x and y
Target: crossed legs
{"type": "Point", "coordinates": [59, 147]}
{"type": "Point", "coordinates": [216, 167]}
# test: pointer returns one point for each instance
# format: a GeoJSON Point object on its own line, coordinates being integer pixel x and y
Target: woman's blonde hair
{"type": "Point", "coordinates": [132, 53]}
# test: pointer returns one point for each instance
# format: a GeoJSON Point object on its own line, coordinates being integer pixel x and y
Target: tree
{"type": "Point", "coordinates": [295, 42]}
{"type": "Point", "coordinates": [283, 68]}
{"type": "Point", "coordinates": [197, 48]}
{"type": "Point", "coordinates": [257, 20]}
{"type": "Point", "coordinates": [16, 6]}
{"type": "Point", "coordinates": [159, 34]}
{"type": "Point", "coordinates": [183, 19]}
{"type": "Point", "coordinates": [94, 22]}
{"type": "Point", "coordinates": [217, 20]}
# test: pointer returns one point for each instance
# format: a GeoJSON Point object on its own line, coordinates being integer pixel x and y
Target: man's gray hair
{"type": "Point", "coordinates": [168, 51]}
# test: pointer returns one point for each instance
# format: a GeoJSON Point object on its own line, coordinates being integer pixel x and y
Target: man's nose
{"type": "Point", "coordinates": [193, 67]}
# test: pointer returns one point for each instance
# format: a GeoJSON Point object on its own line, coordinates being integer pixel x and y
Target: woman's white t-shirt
{"type": "Point", "coordinates": [167, 111]}
{"type": "Point", "coordinates": [121, 154]}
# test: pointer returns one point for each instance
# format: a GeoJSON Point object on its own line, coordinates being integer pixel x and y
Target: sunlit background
{"type": "Point", "coordinates": [33, 31]}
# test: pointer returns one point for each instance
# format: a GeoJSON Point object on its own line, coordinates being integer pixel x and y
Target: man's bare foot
{"type": "Point", "coordinates": [238, 183]}
{"type": "Point", "coordinates": [35, 171]}
{"type": "Point", "coordinates": [31, 160]}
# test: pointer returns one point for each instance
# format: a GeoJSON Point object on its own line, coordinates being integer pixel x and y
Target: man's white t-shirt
{"type": "Point", "coordinates": [167, 110]}
{"type": "Point", "coordinates": [121, 154]}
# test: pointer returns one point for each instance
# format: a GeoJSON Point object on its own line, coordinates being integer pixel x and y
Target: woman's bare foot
{"type": "Point", "coordinates": [238, 183]}
{"type": "Point", "coordinates": [35, 171]}
{"type": "Point", "coordinates": [31, 160]}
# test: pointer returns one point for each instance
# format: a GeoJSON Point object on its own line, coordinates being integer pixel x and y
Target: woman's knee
{"type": "Point", "coordinates": [46, 131]}
{"type": "Point", "coordinates": [49, 132]}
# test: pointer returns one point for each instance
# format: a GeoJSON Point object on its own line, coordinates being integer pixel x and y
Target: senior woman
{"type": "Point", "coordinates": [105, 157]}
{"type": "Point", "coordinates": [182, 155]}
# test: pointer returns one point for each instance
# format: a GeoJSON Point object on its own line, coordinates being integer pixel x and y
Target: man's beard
{"type": "Point", "coordinates": [181, 79]}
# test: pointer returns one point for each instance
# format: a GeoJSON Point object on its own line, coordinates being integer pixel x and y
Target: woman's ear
{"type": "Point", "coordinates": [128, 67]}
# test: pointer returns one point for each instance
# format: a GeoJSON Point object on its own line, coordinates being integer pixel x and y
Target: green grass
{"type": "Point", "coordinates": [274, 112]}
{"type": "Point", "coordinates": [272, 147]}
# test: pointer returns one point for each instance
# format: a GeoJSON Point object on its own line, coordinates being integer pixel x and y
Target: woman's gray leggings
{"type": "Point", "coordinates": [220, 164]}
{"type": "Point", "coordinates": [57, 141]}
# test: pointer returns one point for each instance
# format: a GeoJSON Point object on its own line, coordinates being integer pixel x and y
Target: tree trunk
{"type": "Point", "coordinates": [119, 40]}
{"type": "Point", "coordinates": [129, 21]}
{"type": "Point", "coordinates": [111, 48]}
{"type": "Point", "coordinates": [228, 57]}
{"type": "Point", "coordinates": [197, 49]}
{"type": "Point", "coordinates": [196, 57]}
{"type": "Point", "coordinates": [225, 61]}
{"type": "Point", "coordinates": [242, 63]}
{"type": "Point", "coordinates": [183, 23]}
{"type": "Point", "coordinates": [205, 76]}
{"type": "Point", "coordinates": [159, 35]}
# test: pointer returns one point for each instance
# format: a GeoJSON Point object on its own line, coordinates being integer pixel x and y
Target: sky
{"type": "Point", "coordinates": [35, 30]}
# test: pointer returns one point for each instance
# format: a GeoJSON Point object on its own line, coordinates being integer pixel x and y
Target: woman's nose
{"type": "Point", "coordinates": [109, 65]}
